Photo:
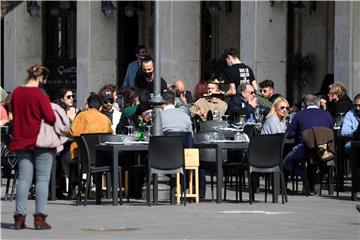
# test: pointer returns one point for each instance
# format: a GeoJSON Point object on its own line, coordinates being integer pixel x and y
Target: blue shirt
{"type": "Point", "coordinates": [350, 125]}
{"type": "Point", "coordinates": [129, 80]}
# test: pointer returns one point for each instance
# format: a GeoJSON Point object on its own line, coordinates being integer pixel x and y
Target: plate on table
{"type": "Point", "coordinates": [136, 142]}
{"type": "Point", "coordinates": [113, 143]}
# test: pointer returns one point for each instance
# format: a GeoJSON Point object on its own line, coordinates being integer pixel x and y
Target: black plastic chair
{"type": "Point", "coordinates": [9, 162]}
{"type": "Point", "coordinates": [166, 156]}
{"type": "Point", "coordinates": [265, 156]}
{"type": "Point", "coordinates": [91, 165]}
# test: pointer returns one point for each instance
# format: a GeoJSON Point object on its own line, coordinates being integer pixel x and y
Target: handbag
{"type": "Point", "coordinates": [47, 137]}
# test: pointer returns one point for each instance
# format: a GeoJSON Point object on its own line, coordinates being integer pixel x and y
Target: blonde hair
{"type": "Point", "coordinates": [337, 89]}
{"type": "Point", "coordinates": [275, 105]}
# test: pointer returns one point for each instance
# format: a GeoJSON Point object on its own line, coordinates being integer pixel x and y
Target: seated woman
{"type": "Point", "coordinates": [275, 120]}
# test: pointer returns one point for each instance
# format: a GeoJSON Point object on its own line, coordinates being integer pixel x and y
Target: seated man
{"type": "Point", "coordinates": [267, 90]}
{"type": "Point", "coordinates": [210, 102]}
{"type": "Point", "coordinates": [351, 122]}
{"type": "Point", "coordinates": [173, 119]}
{"type": "Point", "coordinates": [308, 118]}
{"type": "Point", "coordinates": [108, 108]}
{"type": "Point", "coordinates": [89, 121]}
{"type": "Point", "coordinates": [128, 115]}
{"type": "Point", "coordinates": [244, 101]}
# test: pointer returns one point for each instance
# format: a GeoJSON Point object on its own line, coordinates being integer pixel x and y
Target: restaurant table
{"type": "Point", "coordinates": [115, 148]}
{"type": "Point", "coordinates": [355, 158]}
{"type": "Point", "coordinates": [220, 146]}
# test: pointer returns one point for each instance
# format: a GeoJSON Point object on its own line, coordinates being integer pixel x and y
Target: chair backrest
{"type": "Point", "coordinates": [265, 151]}
{"type": "Point", "coordinates": [251, 130]}
{"type": "Point", "coordinates": [166, 152]}
{"type": "Point", "coordinates": [86, 143]}
{"type": "Point", "coordinates": [187, 137]}
{"type": "Point", "coordinates": [208, 155]}
{"type": "Point", "coordinates": [110, 138]}
{"type": "Point", "coordinates": [211, 125]}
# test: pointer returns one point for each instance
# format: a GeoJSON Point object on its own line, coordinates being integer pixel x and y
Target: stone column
{"type": "Point", "coordinates": [22, 45]}
{"type": "Point", "coordinates": [263, 41]}
{"type": "Point", "coordinates": [96, 49]}
{"type": "Point", "coordinates": [347, 46]}
{"type": "Point", "coordinates": [180, 42]}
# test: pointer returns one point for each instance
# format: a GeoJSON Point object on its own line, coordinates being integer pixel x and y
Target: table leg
{"type": "Point", "coordinates": [340, 164]}
{"type": "Point", "coordinates": [115, 174]}
{"type": "Point", "coordinates": [219, 175]}
{"type": "Point", "coordinates": [276, 186]}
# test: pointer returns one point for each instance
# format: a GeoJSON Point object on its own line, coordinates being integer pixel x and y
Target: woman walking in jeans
{"type": "Point", "coordinates": [31, 105]}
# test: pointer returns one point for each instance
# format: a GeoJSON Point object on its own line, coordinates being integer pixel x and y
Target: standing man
{"type": "Point", "coordinates": [133, 67]}
{"type": "Point", "coordinates": [146, 80]}
{"type": "Point", "coordinates": [238, 73]}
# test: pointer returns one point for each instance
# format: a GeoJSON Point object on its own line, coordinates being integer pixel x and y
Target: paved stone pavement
{"type": "Point", "coordinates": [313, 217]}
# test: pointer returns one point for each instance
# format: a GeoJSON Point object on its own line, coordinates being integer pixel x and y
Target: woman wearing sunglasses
{"type": "Point", "coordinates": [275, 120]}
{"type": "Point", "coordinates": [66, 101]}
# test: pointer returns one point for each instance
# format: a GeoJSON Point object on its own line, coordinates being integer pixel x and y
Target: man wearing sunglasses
{"type": "Point", "coordinates": [267, 90]}
{"type": "Point", "coordinates": [244, 102]}
{"type": "Point", "coordinates": [108, 109]}
{"type": "Point", "coordinates": [351, 122]}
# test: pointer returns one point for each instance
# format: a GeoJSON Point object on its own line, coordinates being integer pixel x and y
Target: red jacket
{"type": "Point", "coordinates": [29, 106]}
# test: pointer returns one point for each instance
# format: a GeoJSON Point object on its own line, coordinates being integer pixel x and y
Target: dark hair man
{"type": "Point", "coordinates": [173, 119]}
{"type": "Point", "coordinates": [237, 73]}
{"type": "Point", "coordinates": [146, 80]}
{"type": "Point", "coordinates": [133, 67]}
{"type": "Point", "coordinates": [267, 90]}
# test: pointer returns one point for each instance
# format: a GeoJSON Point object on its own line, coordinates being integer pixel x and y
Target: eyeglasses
{"type": "Point", "coordinates": [263, 90]}
{"type": "Point", "coordinates": [284, 107]}
{"type": "Point", "coordinates": [69, 96]}
{"type": "Point", "coordinates": [109, 101]}
{"type": "Point", "coordinates": [252, 92]}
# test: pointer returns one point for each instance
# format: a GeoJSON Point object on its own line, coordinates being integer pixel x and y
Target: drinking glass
{"type": "Point", "coordinates": [130, 136]}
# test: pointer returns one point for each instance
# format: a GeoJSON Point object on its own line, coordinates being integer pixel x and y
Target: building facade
{"type": "Point", "coordinates": [87, 43]}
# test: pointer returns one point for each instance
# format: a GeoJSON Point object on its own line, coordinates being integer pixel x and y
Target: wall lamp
{"type": "Point", "coordinates": [107, 7]}
{"type": "Point", "coordinates": [129, 9]}
{"type": "Point", "coordinates": [213, 7]}
{"type": "Point", "coordinates": [32, 8]}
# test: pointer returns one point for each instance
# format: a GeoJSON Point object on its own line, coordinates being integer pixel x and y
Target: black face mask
{"type": "Point", "coordinates": [148, 74]}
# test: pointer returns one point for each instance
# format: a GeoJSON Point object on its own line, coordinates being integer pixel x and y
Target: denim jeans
{"type": "Point", "coordinates": [296, 153]}
{"type": "Point", "coordinates": [40, 159]}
